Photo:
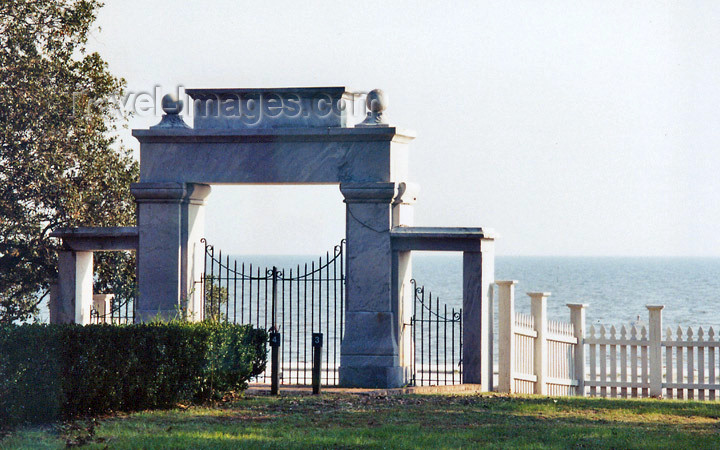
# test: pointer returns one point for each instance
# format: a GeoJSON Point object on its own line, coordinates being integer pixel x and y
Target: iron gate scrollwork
{"type": "Point", "coordinates": [437, 352]}
{"type": "Point", "coordinates": [307, 298]}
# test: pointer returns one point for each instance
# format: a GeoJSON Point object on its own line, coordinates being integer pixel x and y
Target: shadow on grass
{"type": "Point", "coordinates": [427, 422]}
{"type": "Point", "coordinates": [419, 421]}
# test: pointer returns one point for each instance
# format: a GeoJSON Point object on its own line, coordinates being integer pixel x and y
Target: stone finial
{"type": "Point", "coordinates": [172, 106]}
{"type": "Point", "coordinates": [377, 103]}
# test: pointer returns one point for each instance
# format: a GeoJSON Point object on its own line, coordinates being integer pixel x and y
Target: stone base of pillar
{"type": "Point", "coordinates": [372, 377]}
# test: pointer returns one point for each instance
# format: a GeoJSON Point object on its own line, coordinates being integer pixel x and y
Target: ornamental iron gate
{"type": "Point", "coordinates": [297, 302]}
{"type": "Point", "coordinates": [118, 310]}
{"type": "Point", "coordinates": [437, 341]}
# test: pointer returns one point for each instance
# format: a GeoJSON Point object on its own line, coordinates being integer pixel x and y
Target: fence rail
{"type": "Point", "coordinates": [542, 356]}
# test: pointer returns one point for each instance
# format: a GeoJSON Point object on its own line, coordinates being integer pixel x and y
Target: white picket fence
{"type": "Point", "coordinates": [542, 356]}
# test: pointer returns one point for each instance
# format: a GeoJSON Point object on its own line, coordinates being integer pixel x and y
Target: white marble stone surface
{"type": "Point", "coordinates": [62, 298]}
{"type": "Point", "coordinates": [83, 286]}
{"type": "Point", "coordinates": [478, 279]}
{"type": "Point", "coordinates": [270, 158]}
{"type": "Point", "coordinates": [168, 227]}
{"type": "Point", "coordinates": [370, 353]}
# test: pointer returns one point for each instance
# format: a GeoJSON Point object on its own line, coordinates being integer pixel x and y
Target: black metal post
{"type": "Point", "coordinates": [274, 340]}
{"type": "Point", "coordinates": [317, 344]}
{"type": "Point", "coordinates": [274, 362]}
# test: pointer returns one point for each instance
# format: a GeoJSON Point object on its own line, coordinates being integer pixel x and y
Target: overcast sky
{"type": "Point", "coordinates": [571, 128]}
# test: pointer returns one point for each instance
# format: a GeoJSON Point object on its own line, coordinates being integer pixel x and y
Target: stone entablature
{"type": "Point", "coordinates": [280, 156]}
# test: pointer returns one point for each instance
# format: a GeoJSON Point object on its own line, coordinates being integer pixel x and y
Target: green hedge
{"type": "Point", "coordinates": [50, 372]}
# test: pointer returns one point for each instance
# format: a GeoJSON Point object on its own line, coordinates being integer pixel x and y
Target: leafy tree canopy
{"type": "Point", "coordinates": [61, 165]}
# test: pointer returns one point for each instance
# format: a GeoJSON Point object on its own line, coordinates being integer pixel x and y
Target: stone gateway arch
{"type": "Point", "coordinates": [301, 136]}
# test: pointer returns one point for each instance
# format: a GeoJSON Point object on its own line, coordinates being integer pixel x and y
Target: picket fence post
{"type": "Point", "coordinates": [577, 318]}
{"type": "Point", "coordinates": [655, 350]}
{"type": "Point", "coordinates": [538, 309]}
{"type": "Point", "coordinates": [506, 335]}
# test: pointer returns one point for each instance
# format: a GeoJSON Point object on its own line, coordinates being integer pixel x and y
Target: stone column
{"type": "Point", "coordinates": [83, 286]}
{"type": "Point", "coordinates": [73, 297]}
{"type": "Point", "coordinates": [194, 253]}
{"type": "Point", "coordinates": [403, 293]}
{"type": "Point", "coordinates": [170, 220]}
{"type": "Point", "coordinates": [370, 354]}
{"type": "Point", "coordinates": [478, 279]}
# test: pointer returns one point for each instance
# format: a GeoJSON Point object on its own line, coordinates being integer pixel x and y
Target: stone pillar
{"type": "Point", "coordinates": [478, 279]}
{"type": "Point", "coordinates": [370, 353]}
{"type": "Point", "coordinates": [194, 254]}
{"type": "Point", "coordinates": [75, 278]}
{"type": "Point", "coordinates": [83, 286]}
{"type": "Point", "coordinates": [74, 294]}
{"type": "Point", "coordinates": [403, 293]}
{"type": "Point", "coordinates": [103, 303]}
{"type": "Point", "coordinates": [170, 220]}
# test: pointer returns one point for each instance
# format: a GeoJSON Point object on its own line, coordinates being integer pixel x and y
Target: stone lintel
{"type": "Point", "coordinates": [169, 192]}
{"type": "Point", "coordinates": [439, 238]}
{"type": "Point", "coordinates": [95, 232]}
{"type": "Point", "coordinates": [269, 135]}
{"type": "Point", "coordinates": [368, 192]}
{"type": "Point", "coordinates": [98, 238]}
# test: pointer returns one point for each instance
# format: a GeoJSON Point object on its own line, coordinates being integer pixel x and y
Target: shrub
{"type": "Point", "coordinates": [49, 372]}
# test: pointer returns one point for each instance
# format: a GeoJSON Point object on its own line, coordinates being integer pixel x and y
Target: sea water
{"type": "Point", "coordinates": [616, 289]}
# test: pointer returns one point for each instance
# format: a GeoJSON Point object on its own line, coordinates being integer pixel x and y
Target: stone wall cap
{"type": "Point", "coordinates": [335, 90]}
{"type": "Point", "coordinates": [95, 232]}
{"type": "Point", "coordinates": [273, 134]}
{"type": "Point", "coordinates": [173, 191]}
{"type": "Point", "coordinates": [442, 232]}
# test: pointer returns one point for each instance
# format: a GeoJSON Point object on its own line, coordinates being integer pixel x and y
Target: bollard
{"type": "Point", "coordinates": [317, 343]}
{"type": "Point", "coordinates": [275, 361]}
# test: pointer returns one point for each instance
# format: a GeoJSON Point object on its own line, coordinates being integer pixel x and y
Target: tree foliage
{"type": "Point", "coordinates": [61, 163]}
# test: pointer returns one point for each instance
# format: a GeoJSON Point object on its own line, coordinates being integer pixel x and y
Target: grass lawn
{"type": "Point", "coordinates": [409, 421]}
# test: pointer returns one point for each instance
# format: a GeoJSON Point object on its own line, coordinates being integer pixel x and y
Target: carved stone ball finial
{"type": "Point", "coordinates": [172, 106]}
{"type": "Point", "coordinates": [377, 103]}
